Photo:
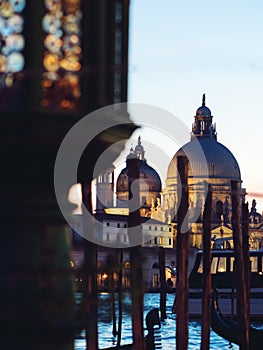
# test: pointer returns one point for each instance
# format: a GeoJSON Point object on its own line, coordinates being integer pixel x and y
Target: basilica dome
{"type": "Point", "coordinates": [209, 163]}
{"type": "Point", "coordinates": [207, 157]}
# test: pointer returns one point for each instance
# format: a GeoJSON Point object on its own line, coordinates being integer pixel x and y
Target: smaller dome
{"type": "Point", "coordinates": [147, 173]}
{"type": "Point", "coordinates": [151, 185]}
{"type": "Point", "coordinates": [203, 111]}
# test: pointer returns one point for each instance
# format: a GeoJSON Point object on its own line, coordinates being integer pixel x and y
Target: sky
{"type": "Point", "coordinates": [182, 49]}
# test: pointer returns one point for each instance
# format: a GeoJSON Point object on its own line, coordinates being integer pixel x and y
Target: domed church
{"type": "Point", "coordinates": [150, 184]}
{"type": "Point", "coordinates": [212, 163]}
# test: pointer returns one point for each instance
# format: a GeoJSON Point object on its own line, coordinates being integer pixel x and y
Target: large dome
{"type": "Point", "coordinates": [207, 158]}
{"type": "Point", "coordinates": [211, 163]}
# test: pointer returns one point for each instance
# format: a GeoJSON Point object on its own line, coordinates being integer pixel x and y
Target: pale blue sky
{"type": "Point", "coordinates": [182, 49]}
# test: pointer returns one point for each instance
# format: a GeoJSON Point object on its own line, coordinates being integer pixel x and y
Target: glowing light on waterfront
{"type": "Point", "coordinates": [75, 197]}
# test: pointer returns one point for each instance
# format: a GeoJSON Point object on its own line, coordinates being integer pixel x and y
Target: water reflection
{"type": "Point", "coordinates": [167, 331]}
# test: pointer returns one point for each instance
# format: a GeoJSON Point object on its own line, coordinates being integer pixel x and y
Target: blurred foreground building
{"type": "Point", "coordinates": [59, 61]}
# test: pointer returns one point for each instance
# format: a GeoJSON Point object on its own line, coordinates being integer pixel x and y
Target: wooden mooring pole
{"type": "Point", "coordinates": [182, 249]}
{"type": "Point", "coordinates": [89, 305]}
{"type": "Point", "coordinates": [135, 238]}
{"type": "Point", "coordinates": [240, 278]}
{"type": "Point", "coordinates": [162, 283]}
{"type": "Point", "coordinates": [206, 296]}
{"type": "Point", "coordinates": [120, 297]}
{"type": "Point", "coordinates": [245, 237]}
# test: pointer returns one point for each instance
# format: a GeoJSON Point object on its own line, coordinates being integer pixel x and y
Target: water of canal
{"type": "Point", "coordinates": [168, 327]}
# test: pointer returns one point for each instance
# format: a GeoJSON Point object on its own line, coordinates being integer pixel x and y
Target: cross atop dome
{"type": "Point", "coordinates": [203, 110]}
{"type": "Point", "coordinates": [203, 100]}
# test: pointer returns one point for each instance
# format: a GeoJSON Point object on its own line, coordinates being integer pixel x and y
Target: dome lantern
{"type": "Point", "coordinates": [203, 126]}
{"type": "Point", "coordinates": [139, 150]}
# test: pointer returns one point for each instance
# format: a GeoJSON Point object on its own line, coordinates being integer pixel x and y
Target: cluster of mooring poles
{"type": "Point", "coordinates": [89, 306]}
{"type": "Point", "coordinates": [242, 264]}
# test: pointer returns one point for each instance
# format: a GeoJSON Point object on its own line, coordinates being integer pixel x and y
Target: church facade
{"type": "Point", "coordinates": [210, 162]}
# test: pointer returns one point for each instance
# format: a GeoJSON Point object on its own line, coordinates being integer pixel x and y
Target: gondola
{"type": "Point", "coordinates": [230, 330]}
{"type": "Point", "coordinates": [223, 278]}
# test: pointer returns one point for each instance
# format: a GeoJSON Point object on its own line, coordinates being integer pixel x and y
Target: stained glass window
{"type": "Point", "coordinates": [62, 56]}
{"type": "Point", "coordinates": [44, 56]}
{"type": "Point", "coordinates": [12, 41]}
